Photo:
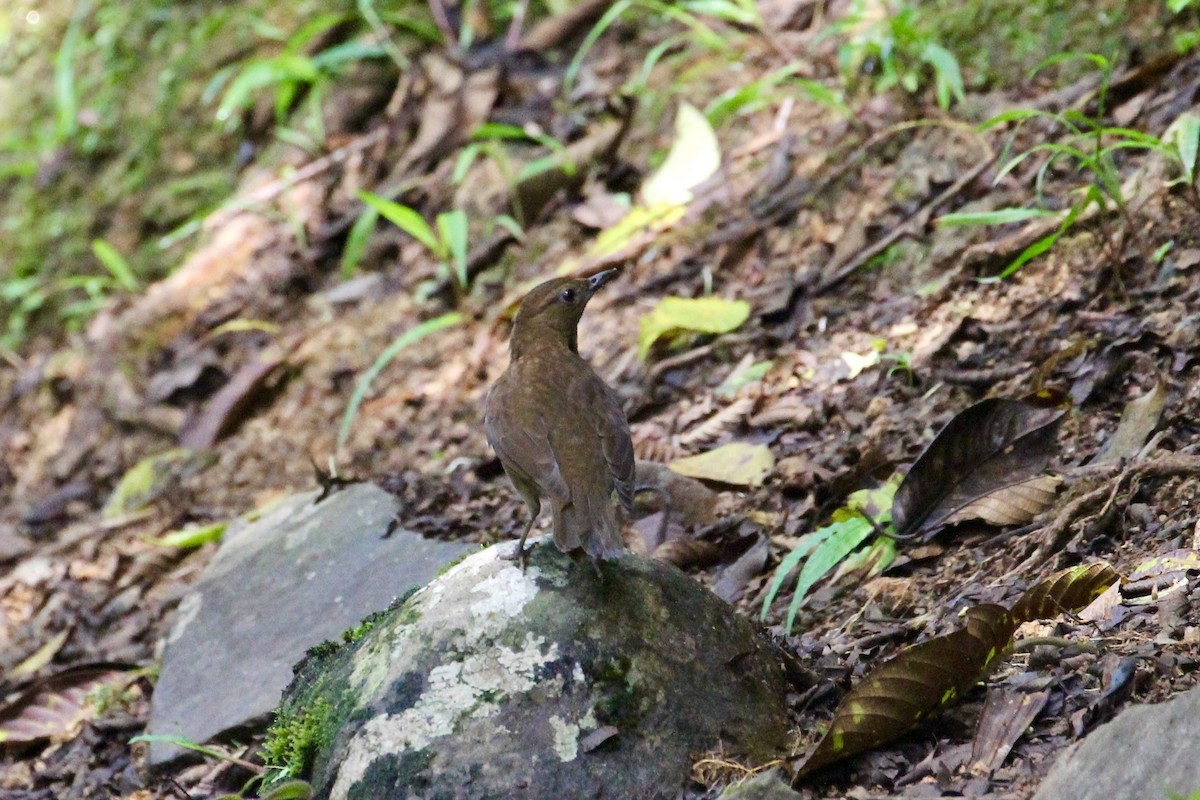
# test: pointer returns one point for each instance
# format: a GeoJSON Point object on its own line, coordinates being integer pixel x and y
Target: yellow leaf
{"type": "Point", "coordinates": [694, 157]}
{"type": "Point", "coordinates": [703, 315]}
{"type": "Point", "coordinates": [738, 463]}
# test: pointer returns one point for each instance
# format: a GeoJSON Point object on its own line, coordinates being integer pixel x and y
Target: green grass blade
{"type": "Point", "coordinates": [181, 741]}
{"type": "Point", "coordinates": [356, 240]}
{"type": "Point", "coordinates": [603, 24]}
{"type": "Point", "coordinates": [1001, 216]}
{"type": "Point", "coordinates": [406, 220]}
{"type": "Point", "coordinates": [116, 265]}
{"type": "Point", "coordinates": [66, 95]}
{"type": "Point", "coordinates": [806, 545]}
{"type": "Point", "coordinates": [452, 228]}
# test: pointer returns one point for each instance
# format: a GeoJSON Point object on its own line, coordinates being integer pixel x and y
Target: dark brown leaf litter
{"type": "Point", "coordinates": [802, 201]}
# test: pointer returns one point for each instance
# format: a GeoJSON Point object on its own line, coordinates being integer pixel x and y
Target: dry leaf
{"type": "Point", "coordinates": [737, 463]}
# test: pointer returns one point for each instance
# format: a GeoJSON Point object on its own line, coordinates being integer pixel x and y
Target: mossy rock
{"type": "Point", "coordinates": [563, 681]}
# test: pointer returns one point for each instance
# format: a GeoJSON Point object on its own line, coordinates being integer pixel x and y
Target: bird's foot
{"type": "Point", "coordinates": [520, 555]}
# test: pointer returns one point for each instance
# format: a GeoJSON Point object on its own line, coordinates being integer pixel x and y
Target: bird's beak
{"type": "Point", "coordinates": [601, 278]}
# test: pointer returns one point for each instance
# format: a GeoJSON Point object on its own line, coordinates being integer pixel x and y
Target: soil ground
{"type": "Point", "coordinates": [870, 318]}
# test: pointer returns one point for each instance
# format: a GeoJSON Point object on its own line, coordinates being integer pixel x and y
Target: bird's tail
{"type": "Point", "coordinates": [590, 523]}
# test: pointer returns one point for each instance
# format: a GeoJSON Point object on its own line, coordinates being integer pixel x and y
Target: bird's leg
{"type": "Point", "coordinates": [521, 555]}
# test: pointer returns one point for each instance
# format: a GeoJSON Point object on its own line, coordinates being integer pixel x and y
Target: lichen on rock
{"type": "Point", "coordinates": [561, 681]}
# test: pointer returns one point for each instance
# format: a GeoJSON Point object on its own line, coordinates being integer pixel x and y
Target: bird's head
{"type": "Point", "coordinates": [551, 310]}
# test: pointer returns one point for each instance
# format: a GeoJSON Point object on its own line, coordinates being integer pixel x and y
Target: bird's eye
{"type": "Point", "coordinates": [567, 296]}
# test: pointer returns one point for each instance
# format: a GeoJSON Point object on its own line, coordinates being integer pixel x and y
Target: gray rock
{"type": "Point", "coordinates": [1148, 751]}
{"type": "Point", "coordinates": [555, 683]}
{"type": "Point", "coordinates": [297, 576]}
{"type": "Point", "coordinates": [767, 785]}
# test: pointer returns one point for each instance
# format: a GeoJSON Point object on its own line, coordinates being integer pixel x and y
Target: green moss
{"type": "Point", "coordinates": [296, 737]}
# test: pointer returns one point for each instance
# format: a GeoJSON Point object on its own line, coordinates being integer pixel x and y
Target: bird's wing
{"type": "Point", "coordinates": [523, 442]}
{"type": "Point", "coordinates": [613, 430]}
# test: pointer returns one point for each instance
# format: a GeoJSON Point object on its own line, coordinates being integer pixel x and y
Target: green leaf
{"type": "Point", "coordinates": [404, 340]}
{"type": "Point", "coordinates": [258, 75]}
{"type": "Point", "coordinates": [1001, 216]}
{"type": "Point", "coordinates": [844, 537]}
{"type": "Point", "coordinates": [603, 24]}
{"type": "Point", "coordinates": [145, 481]}
{"type": "Point", "coordinates": [452, 228]}
{"type": "Point", "coordinates": [703, 315]}
{"type": "Point", "coordinates": [192, 535]}
{"type": "Point", "coordinates": [509, 224]}
{"type": "Point", "coordinates": [291, 790]}
{"type": "Point", "coordinates": [463, 163]}
{"type": "Point", "coordinates": [947, 77]}
{"type": "Point", "coordinates": [356, 240]}
{"type": "Point", "coordinates": [406, 220]}
{"type": "Point", "coordinates": [66, 92]}
{"type": "Point", "coordinates": [496, 130]}
{"type": "Point", "coordinates": [1184, 133]}
{"type": "Point", "coordinates": [807, 544]}
{"type": "Point", "coordinates": [1028, 254]}
{"type": "Point", "coordinates": [736, 463]}
{"type": "Point", "coordinates": [116, 265]}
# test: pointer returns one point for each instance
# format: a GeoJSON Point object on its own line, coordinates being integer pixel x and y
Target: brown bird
{"type": "Point", "coordinates": [559, 430]}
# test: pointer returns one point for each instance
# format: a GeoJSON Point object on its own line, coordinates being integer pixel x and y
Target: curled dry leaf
{"type": "Point", "coordinates": [912, 686]}
{"type": "Point", "coordinates": [1068, 590]}
{"type": "Point", "coordinates": [991, 447]}
{"type": "Point", "coordinates": [1007, 714]}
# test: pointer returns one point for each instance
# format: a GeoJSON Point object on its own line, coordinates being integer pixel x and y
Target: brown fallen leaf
{"type": "Point", "coordinates": [1138, 420]}
{"type": "Point", "coordinates": [1011, 505]}
{"type": "Point", "coordinates": [1006, 715]}
{"type": "Point", "coordinates": [909, 688]}
{"type": "Point", "coordinates": [226, 409]}
{"type": "Point", "coordinates": [990, 447]}
{"type": "Point", "coordinates": [1066, 591]}
{"type": "Point", "coordinates": [54, 706]}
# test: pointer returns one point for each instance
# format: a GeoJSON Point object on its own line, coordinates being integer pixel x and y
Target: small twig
{"type": "Point", "coordinates": [442, 20]}
{"type": "Point", "coordinates": [512, 39]}
{"type": "Point", "coordinates": [1056, 535]}
{"type": "Point", "coordinates": [909, 227]}
{"type": "Point", "coordinates": [269, 191]}
{"type": "Point", "coordinates": [655, 373]}
{"type": "Point", "coordinates": [1061, 642]}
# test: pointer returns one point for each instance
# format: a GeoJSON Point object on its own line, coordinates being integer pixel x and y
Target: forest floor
{"type": "Point", "coordinates": [869, 329]}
